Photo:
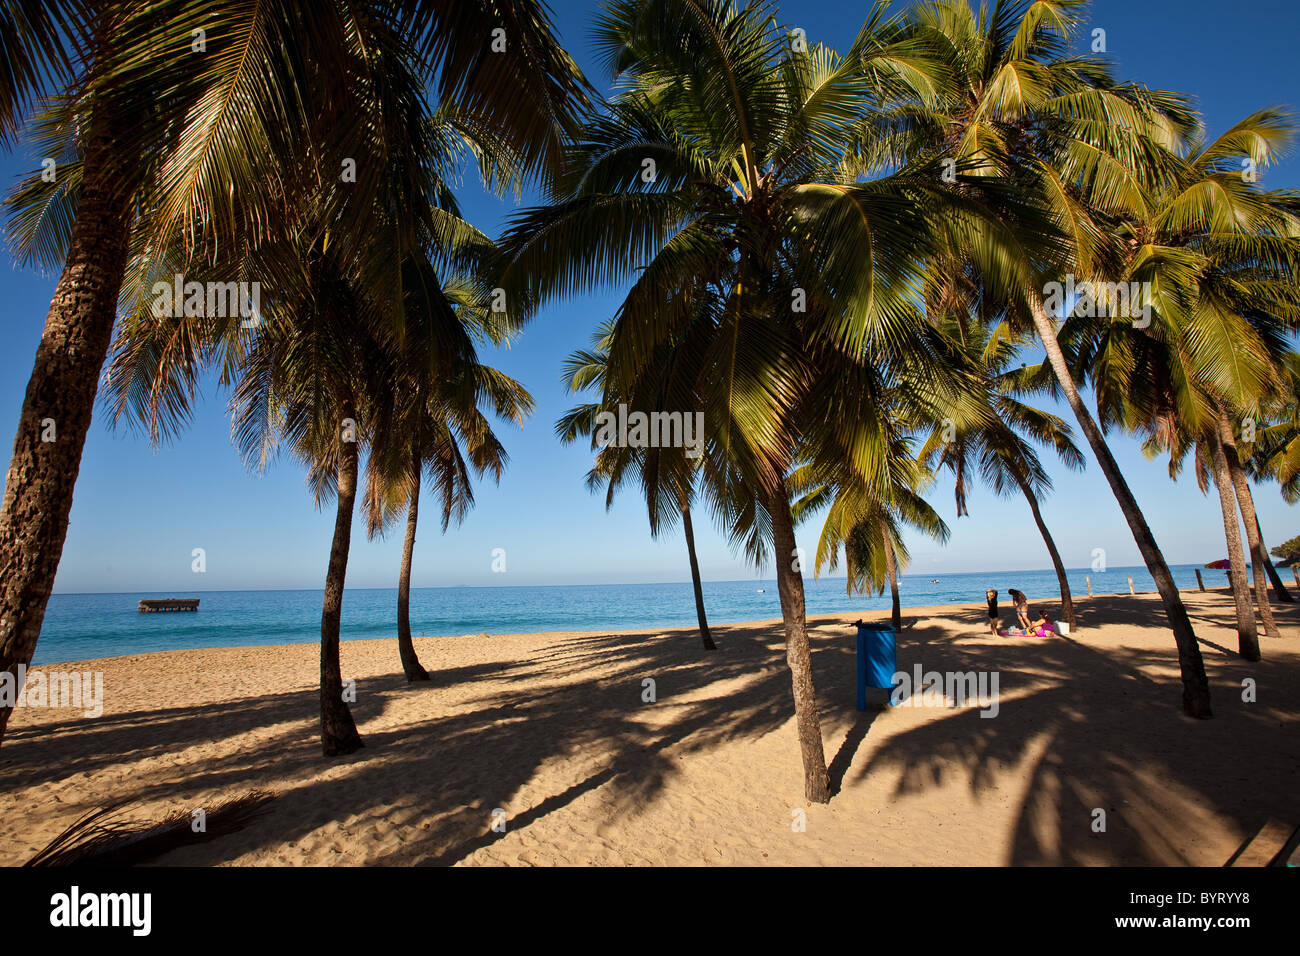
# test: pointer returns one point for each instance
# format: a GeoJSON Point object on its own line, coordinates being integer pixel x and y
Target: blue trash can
{"type": "Point", "coordinates": [877, 660]}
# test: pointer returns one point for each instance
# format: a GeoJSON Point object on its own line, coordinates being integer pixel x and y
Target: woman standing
{"type": "Point", "coordinates": [1022, 607]}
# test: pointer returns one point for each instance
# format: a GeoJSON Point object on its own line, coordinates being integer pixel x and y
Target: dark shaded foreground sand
{"type": "Point", "coordinates": [552, 729]}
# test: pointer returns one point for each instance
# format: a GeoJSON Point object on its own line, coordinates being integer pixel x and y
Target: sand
{"type": "Point", "coordinates": [552, 730]}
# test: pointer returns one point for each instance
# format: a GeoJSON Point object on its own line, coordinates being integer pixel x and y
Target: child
{"type": "Point", "coordinates": [992, 597]}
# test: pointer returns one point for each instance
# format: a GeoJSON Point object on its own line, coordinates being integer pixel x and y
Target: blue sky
{"type": "Point", "coordinates": [139, 513]}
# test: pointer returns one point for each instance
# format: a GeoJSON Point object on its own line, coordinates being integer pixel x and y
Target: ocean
{"type": "Point", "coordinates": [82, 626]}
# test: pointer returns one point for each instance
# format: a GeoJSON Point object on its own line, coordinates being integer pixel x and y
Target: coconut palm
{"type": "Point", "coordinates": [296, 373]}
{"type": "Point", "coordinates": [667, 475]}
{"type": "Point", "coordinates": [1211, 467]}
{"type": "Point", "coordinates": [437, 432]}
{"type": "Point", "coordinates": [722, 181]}
{"type": "Point", "coordinates": [1268, 441]}
{"type": "Point", "coordinates": [291, 102]}
{"type": "Point", "coordinates": [324, 372]}
{"type": "Point", "coordinates": [874, 554]}
{"type": "Point", "coordinates": [1251, 275]}
{"type": "Point", "coordinates": [996, 447]}
{"type": "Point", "coordinates": [867, 522]}
{"type": "Point", "coordinates": [312, 382]}
{"type": "Point", "coordinates": [1247, 633]}
{"type": "Point", "coordinates": [1275, 444]}
{"type": "Point", "coordinates": [1216, 461]}
{"type": "Point", "coordinates": [1237, 453]}
{"type": "Point", "coordinates": [1217, 255]}
{"type": "Point", "coordinates": [1022, 113]}
{"type": "Point", "coordinates": [1211, 454]}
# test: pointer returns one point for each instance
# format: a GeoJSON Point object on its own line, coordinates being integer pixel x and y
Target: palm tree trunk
{"type": "Point", "coordinates": [57, 410]}
{"type": "Point", "coordinates": [1279, 589]}
{"type": "Point", "coordinates": [891, 565]}
{"type": "Point", "coordinates": [1247, 637]}
{"type": "Point", "coordinates": [1241, 487]}
{"type": "Point", "coordinates": [816, 781]}
{"type": "Point", "coordinates": [1067, 602]}
{"type": "Point", "coordinates": [695, 580]}
{"type": "Point", "coordinates": [1196, 686]}
{"type": "Point", "coordinates": [411, 666]}
{"type": "Point", "coordinates": [338, 732]}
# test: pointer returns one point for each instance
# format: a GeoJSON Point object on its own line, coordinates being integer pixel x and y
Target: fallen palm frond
{"type": "Point", "coordinates": [91, 842]}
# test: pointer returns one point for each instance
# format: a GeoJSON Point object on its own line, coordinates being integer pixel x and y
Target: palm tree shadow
{"type": "Point", "coordinates": [1115, 773]}
{"type": "Point", "coordinates": [472, 844]}
{"type": "Point", "coordinates": [853, 739]}
{"type": "Point", "coordinates": [1086, 728]}
{"type": "Point", "coordinates": [439, 756]}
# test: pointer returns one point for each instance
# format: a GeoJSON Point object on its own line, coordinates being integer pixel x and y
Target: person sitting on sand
{"type": "Point", "coordinates": [992, 596]}
{"type": "Point", "coordinates": [1022, 606]}
{"type": "Point", "coordinates": [1042, 627]}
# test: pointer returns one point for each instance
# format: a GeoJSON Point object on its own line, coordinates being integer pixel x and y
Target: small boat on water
{"type": "Point", "coordinates": [169, 604]}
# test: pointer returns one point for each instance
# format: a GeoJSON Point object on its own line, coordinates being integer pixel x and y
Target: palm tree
{"type": "Point", "coordinates": [1251, 275]}
{"type": "Point", "coordinates": [696, 585]}
{"type": "Point", "coordinates": [286, 98]}
{"type": "Point", "coordinates": [320, 372]}
{"type": "Point", "coordinates": [335, 362]}
{"type": "Point", "coordinates": [1247, 633]}
{"type": "Point", "coordinates": [1029, 121]}
{"type": "Point", "coordinates": [1211, 465]}
{"type": "Point", "coordinates": [1215, 460]}
{"type": "Point", "coordinates": [867, 522]}
{"type": "Point", "coordinates": [326, 370]}
{"type": "Point", "coordinates": [667, 475]}
{"type": "Point", "coordinates": [1210, 455]}
{"type": "Point", "coordinates": [1273, 449]}
{"type": "Point", "coordinates": [722, 179]}
{"type": "Point", "coordinates": [78, 327]}
{"type": "Point", "coordinates": [994, 446]}
{"type": "Point", "coordinates": [313, 381]}
{"type": "Point", "coordinates": [1218, 255]}
{"type": "Point", "coordinates": [438, 432]}
{"type": "Point", "coordinates": [1246, 503]}
{"type": "Point", "coordinates": [34, 37]}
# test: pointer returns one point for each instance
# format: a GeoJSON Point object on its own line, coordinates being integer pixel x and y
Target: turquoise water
{"type": "Point", "coordinates": [81, 626]}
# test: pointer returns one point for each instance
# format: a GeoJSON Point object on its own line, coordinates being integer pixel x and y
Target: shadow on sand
{"type": "Point", "coordinates": [1102, 727]}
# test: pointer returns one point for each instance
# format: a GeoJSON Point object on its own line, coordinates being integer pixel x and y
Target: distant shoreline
{"type": "Point", "coordinates": [830, 618]}
{"type": "Point", "coordinates": [86, 626]}
{"type": "Point", "coordinates": [910, 575]}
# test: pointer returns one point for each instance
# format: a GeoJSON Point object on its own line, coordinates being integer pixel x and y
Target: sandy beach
{"type": "Point", "coordinates": [552, 729]}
